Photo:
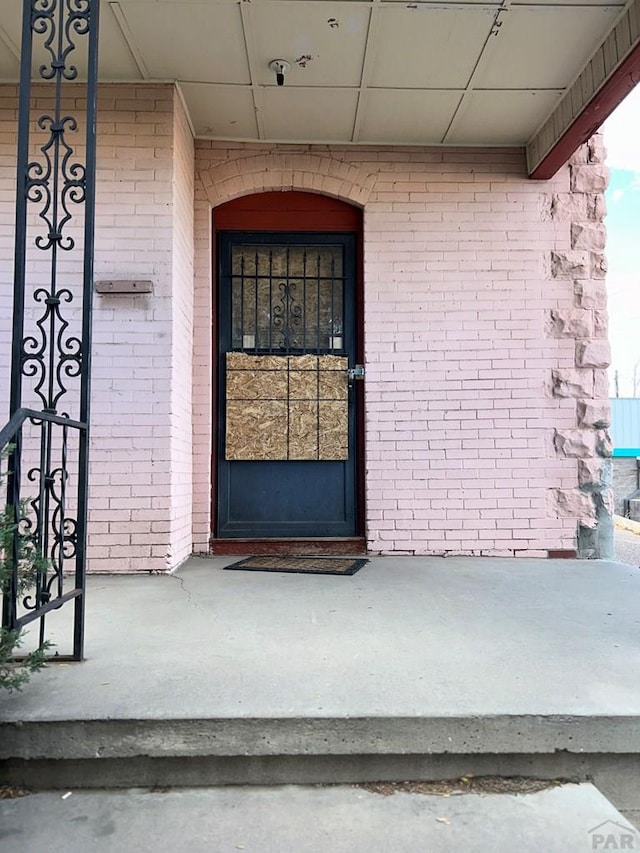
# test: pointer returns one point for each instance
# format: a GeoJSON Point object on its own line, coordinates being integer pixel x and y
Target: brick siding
{"type": "Point", "coordinates": [461, 414]}
{"type": "Point", "coordinates": [485, 334]}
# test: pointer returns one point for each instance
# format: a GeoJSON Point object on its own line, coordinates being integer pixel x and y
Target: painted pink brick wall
{"type": "Point", "coordinates": [8, 124]}
{"type": "Point", "coordinates": [203, 390]}
{"type": "Point", "coordinates": [459, 417]}
{"type": "Point", "coordinates": [182, 338]}
{"type": "Point", "coordinates": [140, 513]}
{"type": "Point", "coordinates": [457, 421]}
{"type": "Point", "coordinates": [131, 394]}
{"type": "Point", "coordinates": [460, 414]}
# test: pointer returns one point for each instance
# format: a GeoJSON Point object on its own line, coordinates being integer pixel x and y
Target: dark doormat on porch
{"type": "Point", "coordinates": [300, 565]}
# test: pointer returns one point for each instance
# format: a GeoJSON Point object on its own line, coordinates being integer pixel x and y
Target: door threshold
{"type": "Point", "coordinates": [312, 547]}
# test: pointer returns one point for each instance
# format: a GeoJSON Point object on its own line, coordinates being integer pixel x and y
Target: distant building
{"type": "Point", "coordinates": [625, 434]}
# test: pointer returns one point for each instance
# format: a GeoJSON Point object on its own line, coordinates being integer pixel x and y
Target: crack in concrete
{"type": "Point", "coordinates": [191, 599]}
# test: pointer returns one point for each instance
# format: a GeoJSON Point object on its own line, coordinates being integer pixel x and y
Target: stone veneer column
{"type": "Point", "coordinates": [584, 264]}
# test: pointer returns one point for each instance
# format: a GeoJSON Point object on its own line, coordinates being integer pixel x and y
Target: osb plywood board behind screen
{"type": "Point", "coordinates": [286, 407]}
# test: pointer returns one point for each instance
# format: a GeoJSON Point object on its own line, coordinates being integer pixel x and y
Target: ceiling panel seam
{"type": "Point", "coordinates": [127, 35]}
{"type": "Point", "coordinates": [249, 46]}
{"type": "Point", "coordinates": [14, 49]}
{"type": "Point", "coordinates": [370, 48]}
{"type": "Point", "coordinates": [338, 88]}
{"type": "Point", "coordinates": [494, 31]}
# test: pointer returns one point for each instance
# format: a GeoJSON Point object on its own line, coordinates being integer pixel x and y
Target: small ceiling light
{"type": "Point", "coordinates": [279, 68]}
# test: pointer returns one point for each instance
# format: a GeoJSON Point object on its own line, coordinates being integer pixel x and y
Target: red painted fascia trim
{"type": "Point", "coordinates": [599, 108]}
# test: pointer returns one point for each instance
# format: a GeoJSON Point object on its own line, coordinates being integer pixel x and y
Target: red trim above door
{"type": "Point", "coordinates": [287, 211]}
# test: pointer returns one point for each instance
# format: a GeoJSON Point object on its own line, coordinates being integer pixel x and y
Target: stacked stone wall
{"type": "Point", "coordinates": [578, 270]}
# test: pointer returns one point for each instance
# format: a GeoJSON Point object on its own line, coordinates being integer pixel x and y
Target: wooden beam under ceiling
{"type": "Point", "coordinates": [606, 80]}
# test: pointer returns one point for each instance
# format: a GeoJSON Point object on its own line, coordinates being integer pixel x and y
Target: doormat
{"type": "Point", "coordinates": [300, 565]}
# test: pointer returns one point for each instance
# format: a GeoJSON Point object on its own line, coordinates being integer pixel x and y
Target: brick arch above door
{"type": "Point", "coordinates": [223, 180]}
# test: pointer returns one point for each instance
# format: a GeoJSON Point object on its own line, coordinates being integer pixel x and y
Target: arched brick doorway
{"type": "Point", "coordinates": [288, 443]}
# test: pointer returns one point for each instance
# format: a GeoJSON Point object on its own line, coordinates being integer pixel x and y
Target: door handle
{"type": "Point", "coordinates": [356, 372]}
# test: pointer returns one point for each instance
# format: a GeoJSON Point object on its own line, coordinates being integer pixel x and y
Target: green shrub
{"type": "Point", "coordinates": [15, 673]}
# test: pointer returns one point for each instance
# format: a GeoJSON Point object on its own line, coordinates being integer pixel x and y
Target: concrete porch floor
{"type": "Point", "coordinates": [404, 636]}
{"type": "Point", "coordinates": [454, 665]}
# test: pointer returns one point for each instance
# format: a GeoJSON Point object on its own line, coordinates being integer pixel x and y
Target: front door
{"type": "Point", "coordinates": [287, 454]}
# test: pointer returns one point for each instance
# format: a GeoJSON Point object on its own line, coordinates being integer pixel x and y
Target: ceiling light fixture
{"type": "Point", "coordinates": [279, 68]}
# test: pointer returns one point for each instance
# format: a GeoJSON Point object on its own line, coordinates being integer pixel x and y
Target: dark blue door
{"type": "Point", "coordinates": [287, 326]}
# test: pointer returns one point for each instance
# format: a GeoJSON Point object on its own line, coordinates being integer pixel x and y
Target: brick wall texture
{"type": "Point", "coordinates": [485, 335]}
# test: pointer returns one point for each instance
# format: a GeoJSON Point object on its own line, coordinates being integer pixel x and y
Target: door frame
{"type": "Point", "coordinates": [290, 211]}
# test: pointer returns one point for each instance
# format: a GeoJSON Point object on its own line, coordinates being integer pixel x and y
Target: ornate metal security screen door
{"type": "Point", "coordinates": [286, 455]}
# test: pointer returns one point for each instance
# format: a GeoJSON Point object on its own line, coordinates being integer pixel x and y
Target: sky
{"type": "Point", "coordinates": [621, 135]}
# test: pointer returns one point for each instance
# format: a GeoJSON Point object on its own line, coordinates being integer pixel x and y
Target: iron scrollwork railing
{"type": "Point", "coordinates": [47, 463]}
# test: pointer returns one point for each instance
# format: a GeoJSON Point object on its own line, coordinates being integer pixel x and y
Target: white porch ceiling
{"type": "Point", "coordinates": [474, 72]}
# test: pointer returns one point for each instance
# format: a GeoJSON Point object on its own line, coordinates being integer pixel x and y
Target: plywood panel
{"type": "Point", "coordinates": [332, 362]}
{"type": "Point", "coordinates": [286, 407]}
{"type": "Point", "coordinates": [303, 385]}
{"type": "Point", "coordinates": [332, 422]}
{"type": "Point", "coordinates": [290, 211]}
{"type": "Point", "coordinates": [303, 429]}
{"type": "Point", "coordinates": [256, 429]}
{"type": "Point", "coordinates": [257, 385]}
{"type": "Point", "coordinates": [332, 385]}
{"type": "Point", "coordinates": [242, 361]}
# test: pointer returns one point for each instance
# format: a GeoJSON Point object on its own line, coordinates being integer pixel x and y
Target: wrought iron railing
{"type": "Point", "coordinates": [49, 520]}
{"type": "Point", "coordinates": [47, 467]}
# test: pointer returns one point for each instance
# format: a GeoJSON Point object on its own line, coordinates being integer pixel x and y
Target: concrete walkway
{"type": "Point", "coordinates": [569, 819]}
{"type": "Point", "coordinates": [627, 547]}
{"type": "Point", "coordinates": [403, 637]}
{"type": "Point", "coordinates": [627, 541]}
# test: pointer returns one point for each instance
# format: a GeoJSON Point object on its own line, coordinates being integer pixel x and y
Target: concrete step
{"type": "Point", "coordinates": [416, 668]}
{"type": "Point", "coordinates": [123, 753]}
{"type": "Point", "coordinates": [340, 819]}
